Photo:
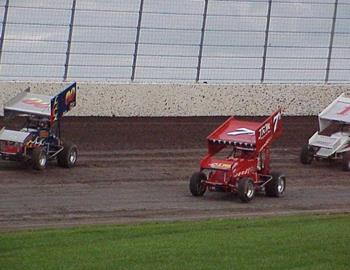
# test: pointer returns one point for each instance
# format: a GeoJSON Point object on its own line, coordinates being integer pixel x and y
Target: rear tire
{"type": "Point", "coordinates": [276, 186]}
{"type": "Point", "coordinates": [246, 189]}
{"type": "Point", "coordinates": [68, 156]}
{"type": "Point", "coordinates": [306, 155]}
{"type": "Point", "coordinates": [197, 187]}
{"type": "Point", "coordinates": [39, 159]}
{"type": "Point", "coordinates": [346, 161]}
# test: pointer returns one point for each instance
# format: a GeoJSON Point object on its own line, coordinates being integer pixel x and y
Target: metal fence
{"type": "Point", "coordinates": [211, 41]}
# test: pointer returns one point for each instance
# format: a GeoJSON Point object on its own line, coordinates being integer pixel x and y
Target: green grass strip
{"type": "Point", "coordinates": [301, 242]}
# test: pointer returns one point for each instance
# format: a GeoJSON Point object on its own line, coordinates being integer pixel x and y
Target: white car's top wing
{"type": "Point", "coordinates": [338, 110]}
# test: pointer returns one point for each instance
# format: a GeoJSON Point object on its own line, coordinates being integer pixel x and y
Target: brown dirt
{"type": "Point", "coordinates": [137, 169]}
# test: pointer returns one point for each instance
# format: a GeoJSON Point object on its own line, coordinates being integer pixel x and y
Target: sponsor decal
{"type": "Point", "coordinates": [345, 111]}
{"type": "Point", "coordinates": [219, 165]}
{"type": "Point", "coordinates": [246, 171]}
{"type": "Point", "coordinates": [264, 130]}
{"type": "Point", "coordinates": [70, 97]}
{"type": "Point", "coordinates": [241, 131]}
{"type": "Point", "coordinates": [54, 111]}
{"type": "Point", "coordinates": [36, 102]}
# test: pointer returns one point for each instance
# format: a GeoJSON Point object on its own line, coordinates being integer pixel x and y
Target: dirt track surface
{"type": "Point", "coordinates": [132, 170]}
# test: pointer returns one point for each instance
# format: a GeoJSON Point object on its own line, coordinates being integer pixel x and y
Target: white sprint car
{"type": "Point", "coordinates": [332, 141]}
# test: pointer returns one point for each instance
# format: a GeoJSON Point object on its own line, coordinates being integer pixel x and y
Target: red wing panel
{"type": "Point", "coordinates": [246, 134]}
{"type": "Point", "coordinates": [269, 130]}
{"type": "Point", "coordinates": [235, 131]}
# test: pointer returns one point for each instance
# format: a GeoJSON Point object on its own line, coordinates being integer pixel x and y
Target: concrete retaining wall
{"type": "Point", "coordinates": [186, 100]}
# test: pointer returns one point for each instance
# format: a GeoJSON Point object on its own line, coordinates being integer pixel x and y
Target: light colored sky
{"type": "Point", "coordinates": [104, 35]}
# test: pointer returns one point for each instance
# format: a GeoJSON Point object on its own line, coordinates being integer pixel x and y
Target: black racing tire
{"type": "Point", "coordinates": [276, 186]}
{"type": "Point", "coordinates": [306, 155]}
{"type": "Point", "coordinates": [68, 156]}
{"type": "Point", "coordinates": [197, 187]}
{"type": "Point", "coordinates": [246, 189]}
{"type": "Point", "coordinates": [346, 161]}
{"type": "Point", "coordinates": [39, 159]}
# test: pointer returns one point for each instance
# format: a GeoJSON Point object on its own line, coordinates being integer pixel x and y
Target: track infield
{"type": "Point", "coordinates": [295, 242]}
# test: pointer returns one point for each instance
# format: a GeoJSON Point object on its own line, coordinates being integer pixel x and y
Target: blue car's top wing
{"type": "Point", "coordinates": [28, 103]}
{"type": "Point", "coordinates": [42, 105]}
{"type": "Point", "coordinates": [63, 102]}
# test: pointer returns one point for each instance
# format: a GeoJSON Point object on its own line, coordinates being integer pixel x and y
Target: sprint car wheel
{"type": "Point", "coordinates": [197, 187]}
{"type": "Point", "coordinates": [39, 159]}
{"type": "Point", "coordinates": [246, 189]}
{"type": "Point", "coordinates": [346, 161]}
{"type": "Point", "coordinates": [306, 155]}
{"type": "Point", "coordinates": [276, 186]}
{"type": "Point", "coordinates": [68, 156]}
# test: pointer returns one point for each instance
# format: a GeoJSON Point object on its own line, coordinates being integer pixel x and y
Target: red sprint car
{"type": "Point", "coordinates": [238, 160]}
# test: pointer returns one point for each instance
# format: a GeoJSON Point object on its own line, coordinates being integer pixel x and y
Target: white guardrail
{"type": "Point", "coordinates": [96, 99]}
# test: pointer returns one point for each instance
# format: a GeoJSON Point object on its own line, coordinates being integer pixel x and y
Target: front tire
{"type": "Point", "coordinates": [276, 186]}
{"type": "Point", "coordinates": [306, 155]}
{"type": "Point", "coordinates": [346, 161]}
{"type": "Point", "coordinates": [246, 189]}
{"type": "Point", "coordinates": [197, 187]}
{"type": "Point", "coordinates": [39, 159]}
{"type": "Point", "coordinates": [68, 156]}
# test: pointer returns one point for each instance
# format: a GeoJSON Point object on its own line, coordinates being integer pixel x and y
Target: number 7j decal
{"type": "Point", "coordinates": [345, 111]}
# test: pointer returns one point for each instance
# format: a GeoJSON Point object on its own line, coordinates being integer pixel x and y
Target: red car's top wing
{"type": "Point", "coordinates": [247, 134]}
{"type": "Point", "coordinates": [269, 130]}
{"type": "Point", "coordinates": [235, 132]}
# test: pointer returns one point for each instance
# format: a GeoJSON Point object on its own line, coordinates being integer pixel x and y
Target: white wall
{"type": "Point", "coordinates": [186, 99]}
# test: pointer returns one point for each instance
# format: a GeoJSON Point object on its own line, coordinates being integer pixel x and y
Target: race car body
{"type": "Point", "coordinates": [332, 141]}
{"type": "Point", "coordinates": [238, 159]}
{"type": "Point", "coordinates": [39, 139]}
